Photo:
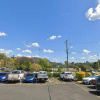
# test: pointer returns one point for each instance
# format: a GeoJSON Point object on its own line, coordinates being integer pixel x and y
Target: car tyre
{"type": "Point", "coordinates": [90, 83]}
{"type": "Point", "coordinates": [63, 79]}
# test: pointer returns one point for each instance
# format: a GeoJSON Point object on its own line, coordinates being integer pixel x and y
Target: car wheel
{"type": "Point", "coordinates": [71, 80]}
{"type": "Point", "coordinates": [63, 79]}
{"type": "Point", "coordinates": [90, 82]}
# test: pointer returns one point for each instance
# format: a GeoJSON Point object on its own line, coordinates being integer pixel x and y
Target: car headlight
{"type": "Point", "coordinates": [3, 77]}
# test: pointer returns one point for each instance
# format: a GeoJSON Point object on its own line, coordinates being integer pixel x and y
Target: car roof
{"type": "Point", "coordinates": [42, 71]}
{"type": "Point", "coordinates": [68, 72]}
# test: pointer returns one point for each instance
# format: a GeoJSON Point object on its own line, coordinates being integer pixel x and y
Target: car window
{"type": "Point", "coordinates": [15, 72]}
{"type": "Point", "coordinates": [42, 72]}
{"type": "Point", "coordinates": [69, 73]}
{"type": "Point", "coordinates": [93, 76]}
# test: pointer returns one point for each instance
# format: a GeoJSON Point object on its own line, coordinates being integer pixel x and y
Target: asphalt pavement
{"type": "Point", "coordinates": [66, 91]}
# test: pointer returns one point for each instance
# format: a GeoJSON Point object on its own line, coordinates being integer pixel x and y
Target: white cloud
{"type": "Point", "coordinates": [92, 57]}
{"type": "Point", "coordinates": [72, 58]}
{"type": "Point", "coordinates": [33, 45]}
{"type": "Point", "coordinates": [82, 58]}
{"type": "Point", "coordinates": [56, 59]}
{"type": "Point", "coordinates": [37, 56]}
{"type": "Point", "coordinates": [19, 55]}
{"type": "Point", "coordinates": [18, 49]}
{"type": "Point", "coordinates": [86, 51]}
{"type": "Point", "coordinates": [28, 51]}
{"type": "Point", "coordinates": [59, 36]}
{"type": "Point", "coordinates": [2, 34]}
{"type": "Point", "coordinates": [5, 51]}
{"type": "Point", "coordinates": [52, 37]}
{"type": "Point", "coordinates": [73, 52]}
{"type": "Point", "coordinates": [98, 1]}
{"type": "Point", "coordinates": [48, 51]}
{"type": "Point", "coordinates": [46, 57]}
{"type": "Point", "coordinates": [71, 47]}
{"type": "Point", "coordinates": [28, 56]}
{"type": "Point", "coordinates": [92, 14]}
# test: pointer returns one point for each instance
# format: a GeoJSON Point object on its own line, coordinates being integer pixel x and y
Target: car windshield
{"type": "Point", "coordinates": [3, 74]}
{"type": "Point", "coordinates": [29, 76]}
{"type": "Point", "coordinates": [42, 73]}
{"type": "Point", "coordinates": [15, 72]}
{"type": "Point", "coordinates": [93, 76]}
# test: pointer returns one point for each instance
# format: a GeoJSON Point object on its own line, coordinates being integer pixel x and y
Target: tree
{"type": "Point", "coordinates": [36, 67]}
{"type": "Point", "coordinates": [2, 56]}
{"type": "Point", "coordinates": [95, 66]}
{"type": "Point", "coordinates": [44, 63]}
{"type": "Point", "coordinates": [23, 63]}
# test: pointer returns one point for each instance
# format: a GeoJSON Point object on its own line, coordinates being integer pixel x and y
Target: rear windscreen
{"type": "Point", "coordinates": [69, 73]}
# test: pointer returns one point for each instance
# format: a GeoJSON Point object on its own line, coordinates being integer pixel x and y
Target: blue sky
{"type": "Point", "coordinates": [40, 28]}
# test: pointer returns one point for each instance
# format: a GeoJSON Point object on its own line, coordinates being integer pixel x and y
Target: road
{"type": "Point", "coordinates": [68, 91]}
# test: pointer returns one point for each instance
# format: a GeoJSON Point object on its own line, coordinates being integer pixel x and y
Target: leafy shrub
{"type": "Point", "coordinates": [80, 75]}
{"type": "Point", "coordinates": [49, 74]}
{"type": "Point", "coordinates": [89, 74]}
{"type": "Point", "coordinates": [56, 75]}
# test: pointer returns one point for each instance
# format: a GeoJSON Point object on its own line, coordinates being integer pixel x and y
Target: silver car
{"type": "Point", "coordinates": [67, 76]}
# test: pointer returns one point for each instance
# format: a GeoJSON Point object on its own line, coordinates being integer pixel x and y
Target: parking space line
{"type": "Point", "coordinates": [81, 87]}
{"type": "Point", "coordinates": [84, 89]}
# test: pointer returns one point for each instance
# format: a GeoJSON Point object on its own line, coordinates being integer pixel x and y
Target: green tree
{"type": "Point", "coordinates": [36, 67]}
{"type": "Point", "coordinates": [44, 63]}
{"type": "Point", "coordinates": [95, 66]}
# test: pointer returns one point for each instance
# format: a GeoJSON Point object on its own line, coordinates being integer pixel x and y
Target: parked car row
{"type": "Point", "coordinates": [92, 80]}
{"type": "Point", "coordinates": [18, 75]}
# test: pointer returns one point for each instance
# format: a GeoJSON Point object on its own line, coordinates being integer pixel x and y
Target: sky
{"type": "Point", "coordinates": [40, 28]}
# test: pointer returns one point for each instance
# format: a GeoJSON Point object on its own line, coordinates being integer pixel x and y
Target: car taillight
{"type": "Point", "coordinates": [18, 76]}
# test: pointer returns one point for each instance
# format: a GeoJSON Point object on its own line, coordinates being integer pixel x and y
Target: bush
{"type": "Point", "coordinates": [80, 75]}
{"type": "Point", "coordinates": [49, 74]}
{"type": "Point", "coordinates": [56, 75]}
{"type": "Point", "coordinates": [88, 74]}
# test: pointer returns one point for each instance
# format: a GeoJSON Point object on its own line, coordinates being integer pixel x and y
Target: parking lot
{"type": "Point", "coordinates": [54, 89]}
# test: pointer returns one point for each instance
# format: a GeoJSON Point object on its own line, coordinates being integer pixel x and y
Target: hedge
{"type": "Point", "coordinates": [88, 74]}
{"type": "Point", "coordinates": [56, 74]}
{"type": "Point", "coordinates": [80, 75]}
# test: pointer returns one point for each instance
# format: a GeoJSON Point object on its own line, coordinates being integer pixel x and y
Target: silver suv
{"type": "Point", "coordinates": [67, 76]}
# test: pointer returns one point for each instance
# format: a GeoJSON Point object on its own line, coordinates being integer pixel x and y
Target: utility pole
{"type": "Point", "coordinates": [67, 54]}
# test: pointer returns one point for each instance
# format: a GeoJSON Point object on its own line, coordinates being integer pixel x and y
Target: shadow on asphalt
{"type": "Point", "coordinates": [64, 80]}
{"type": "Point", "coordinates": [95, 93]}
{"type": "Point", "coordinates": [91, 87]}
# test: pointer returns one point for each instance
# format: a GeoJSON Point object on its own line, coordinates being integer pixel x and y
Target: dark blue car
{"type": "Point", "coordinates": [29, 78]}
{"type": "Point", "coordinates": [3, 76]}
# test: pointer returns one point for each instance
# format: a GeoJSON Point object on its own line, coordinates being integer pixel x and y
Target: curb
{"type": "Point", "coordinates": [79, 81]}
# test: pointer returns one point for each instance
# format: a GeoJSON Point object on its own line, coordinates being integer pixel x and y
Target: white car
{"type": "Point", "coordinates": [88, 80]}
{"type": "Point", "coordinates": [67, 76]}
